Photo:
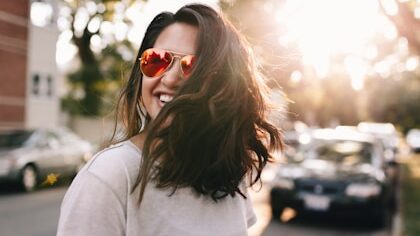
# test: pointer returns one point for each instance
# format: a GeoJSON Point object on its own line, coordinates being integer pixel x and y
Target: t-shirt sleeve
{"type": "Point", "coordinates": [91, 207]}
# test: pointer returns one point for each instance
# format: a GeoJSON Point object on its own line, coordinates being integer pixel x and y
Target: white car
{"type": "Point", "coordinates": [413, 139]}
{"type": "Point", "coordinates": [386, 133]}
{"type": "Point", "coordinates": [29, 156]}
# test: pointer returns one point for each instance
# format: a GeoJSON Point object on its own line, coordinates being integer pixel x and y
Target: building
{"type": "Point", "coordinates": [14, 34]}
{"type": "Point", "coordinates": [29, 78]}
{"type": "Point", "coordinates": [42, 100]}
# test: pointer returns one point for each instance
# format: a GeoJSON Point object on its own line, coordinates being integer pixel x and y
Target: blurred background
{"type": "Point", "coordinates": [344, 72]}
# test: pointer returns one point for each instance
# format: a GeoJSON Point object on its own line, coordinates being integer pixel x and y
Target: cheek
{"type": "Point", "coordinates": [146, 91]}
{"type": "Point", "coordinates": [146, 94]}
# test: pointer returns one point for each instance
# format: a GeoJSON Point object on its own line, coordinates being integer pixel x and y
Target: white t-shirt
{"type": "Point", "coordinates": [100, 202]}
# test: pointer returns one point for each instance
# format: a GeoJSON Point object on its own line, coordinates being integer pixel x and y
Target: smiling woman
{"type": "Point", "coordinates": [178, 37]}
{"type": "Point", "coordinates": [194, 136]}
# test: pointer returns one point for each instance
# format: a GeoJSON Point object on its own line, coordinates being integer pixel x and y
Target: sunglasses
{"type": "Point", "coordinates": [155, 61]}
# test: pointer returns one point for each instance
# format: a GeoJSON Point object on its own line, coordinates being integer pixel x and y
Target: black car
{"type": "Point", "coordinates": [339, 173]}
{"type": "Point", "coordinates": [29, 156]}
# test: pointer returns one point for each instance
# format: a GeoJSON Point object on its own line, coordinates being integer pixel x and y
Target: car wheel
{"type": "Point", "coordinates": [276, 207]}
{"type": "Point", "coordinates": [29, 178]}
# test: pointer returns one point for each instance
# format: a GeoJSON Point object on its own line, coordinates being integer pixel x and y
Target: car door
{"type": "Point", "coordinates": [49, 160]}
{"type": "Point", "coordinates": [71, 154]}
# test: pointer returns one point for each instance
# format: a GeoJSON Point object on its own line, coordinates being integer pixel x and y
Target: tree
{"type": "Point", "coordinates": [390, 92]}
{"type": "Point", "coordinates": [99, 74]}
{"type": "Point", "coordinates": [402, 14]}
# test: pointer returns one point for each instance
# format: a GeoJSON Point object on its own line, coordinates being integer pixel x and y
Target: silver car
{"type": "Point", "coordinates": [413, 140]}
{"type": "Point", "coordinates": [29, 156]}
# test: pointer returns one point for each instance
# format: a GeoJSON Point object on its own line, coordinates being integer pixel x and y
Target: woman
{"type": "Point", "coordinates": [195, 133]}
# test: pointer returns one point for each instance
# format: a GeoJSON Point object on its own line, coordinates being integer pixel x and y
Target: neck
{"type": "Point", "coordinates": [138, 140]}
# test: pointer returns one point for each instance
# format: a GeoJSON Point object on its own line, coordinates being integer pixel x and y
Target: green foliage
{"type": "Point", "coordinates": [410, 197]}
{"type": "Point", "coordinates": [326, 101]}
{"type": "Point", "coordinates": [395, 100]}
{"type": "Point", "coordinates": [94, 86]}
{"type": "Point", "coordinates": [331, 100]}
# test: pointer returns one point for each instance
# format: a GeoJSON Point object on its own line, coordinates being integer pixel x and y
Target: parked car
{"type": "Point", "coordinates": [28, 156]}
{"type": "Point", "coordinates": [413, 139]}
{"type": "Point", "coordinates": [338, 172]}
{"type": "Point", "coordinates": [387, 134]}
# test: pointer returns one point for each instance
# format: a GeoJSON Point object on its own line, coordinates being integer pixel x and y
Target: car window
{"type": "Point", "coordinates": [14, 138]}
{"type": "Point", "coordinates": [67, 137]}
{"type": "Point", "coordinates": [342, 152]}
{"type": "Point", "coordinates": [52, 139]}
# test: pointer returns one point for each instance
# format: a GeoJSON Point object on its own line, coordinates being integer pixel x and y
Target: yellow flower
{"type": "Point", "coordinates": [51, 179]}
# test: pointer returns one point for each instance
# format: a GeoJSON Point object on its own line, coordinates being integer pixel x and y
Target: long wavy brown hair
{"type": "Point", "coordinates": [214, 134]}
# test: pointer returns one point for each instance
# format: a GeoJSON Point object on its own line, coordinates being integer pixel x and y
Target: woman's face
{"type": "Point", "coordinates": [157, 91]}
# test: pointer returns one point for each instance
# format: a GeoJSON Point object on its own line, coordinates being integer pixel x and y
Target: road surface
{"type": "Point", "coordinates": [30, 214]}
{"type": "Point", "coordinates": [36, 214]}
{"type": "Point", "coordinates": [302, 226]}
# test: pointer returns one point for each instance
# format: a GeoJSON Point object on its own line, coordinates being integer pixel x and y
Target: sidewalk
{"type": "Point", "coordinates": [409, 222]}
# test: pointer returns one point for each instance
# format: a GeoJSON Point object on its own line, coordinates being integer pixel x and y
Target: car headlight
{"type": "Point", "coordinates": [363, 190]}
{"type": "Point", "coordinates": [283, 183]}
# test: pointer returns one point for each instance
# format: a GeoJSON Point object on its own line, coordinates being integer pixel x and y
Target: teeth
{"type": "Point", "coordinates": [165, 98]}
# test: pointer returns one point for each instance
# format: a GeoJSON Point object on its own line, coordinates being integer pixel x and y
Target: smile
{"type": "Point", "coordinates": [165, 98]}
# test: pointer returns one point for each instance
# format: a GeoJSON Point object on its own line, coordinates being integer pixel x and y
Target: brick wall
{"type": "Point", "coordinates": [14, 16]}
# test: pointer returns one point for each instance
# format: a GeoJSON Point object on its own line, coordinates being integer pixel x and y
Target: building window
{"type": "Point", "coordinates": [50, 86]}
{"type": "Point", "coordinates": [35, 84]}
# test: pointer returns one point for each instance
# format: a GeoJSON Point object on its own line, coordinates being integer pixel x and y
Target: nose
{"type": "Point", "coordinates": [172, 78]}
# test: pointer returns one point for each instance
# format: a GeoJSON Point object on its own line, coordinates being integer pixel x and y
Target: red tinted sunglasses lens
{"type": "Point", "coordinates": [187, 64]}
{"type": "Point", "coordinates": [154, 62]}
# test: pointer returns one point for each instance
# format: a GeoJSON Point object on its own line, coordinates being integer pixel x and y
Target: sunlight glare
{"type": "Point", "coordinates": [65, 51]}
{"type": "Point", "coordinates": [371, 52]}
{"type": "Point", "coordinates": [357, 69]}
{"type": "Point", "coordinates": [121, 29]}
{"type": "Point", "coordinates": [91, 7]}
{"type": "Point", "coordinates": [383, 68]}
{"type": "Point", "coordinates": [390, 6]}
{"type": "Point", "coordinates": [81, 19]}
{"type": "Point", "coordinates": [94, 24]}
{"type": "Point", "coordinates": [41, 13]}
{"type": "Point", "coordinates": [391, 33]}
{"type": "Point", "coordinates": [328, 27]}
{"type": "Point", "coordinates": [412, 63]}
{"type": "Point", "coordinates": [402, 46]}
{"type": "Point", "coordinates": [96, 43]}
{"type": "Point", "coordinates": [417, 13]}
{"type": "Point", "coordinates": [296, 76]}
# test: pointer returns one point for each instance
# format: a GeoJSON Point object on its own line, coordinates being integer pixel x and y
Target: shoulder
{"type": "Point", "coordinates": [116, 164]}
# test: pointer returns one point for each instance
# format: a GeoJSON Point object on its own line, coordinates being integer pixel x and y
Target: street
{"type": "Point", "coordinates": [36, 214]}
{"type": "Point", "coordinates": [302, 226]}
{"type": "Point", "coordinates": [32, 214]}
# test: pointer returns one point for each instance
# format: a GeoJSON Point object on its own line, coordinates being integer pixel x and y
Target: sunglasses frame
{"type": "Point", "coordinates": [174, 55]}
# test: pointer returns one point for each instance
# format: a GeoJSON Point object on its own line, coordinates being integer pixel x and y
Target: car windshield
{"type": "Point", "coordinates": [343, 152]}
{"type": "Point", "coordinates": [14, 138]}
